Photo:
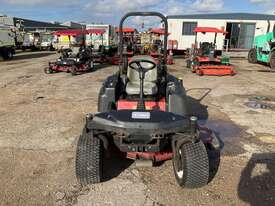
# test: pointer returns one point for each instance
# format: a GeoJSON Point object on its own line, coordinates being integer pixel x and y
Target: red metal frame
{"type": "Point", "coordinates": [79, 68]}
{"type": "Point", "coordinates": [126, 30]}
{"type": "Point", "coordinates": [75, 32]}
{"type": "Point", "coordinates": [214, 70]}
{"type": "Point", "coordinates": [205, 59]}
{"type": "Point", "coordinates": [149, 105]}
{"type": "Point", "coordinates": [159, 31]}
{"type": "Point", "coordinates": [209, 30]}
{"type": "Point", "coordinates": [155, 156]}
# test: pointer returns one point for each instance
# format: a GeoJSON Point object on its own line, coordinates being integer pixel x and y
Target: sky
{"type": "Point", "coordinates": [110, 11]}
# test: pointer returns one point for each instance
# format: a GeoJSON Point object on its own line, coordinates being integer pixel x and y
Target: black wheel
{"type": "Point", "coordinates": [91, 66]}
{"type": "Point", "coordinates": [191, 165]}
{"type": "Point", "coordinates": [9, 54]}
{"type": "Point", "coordinates": [89, 159]}
{"type": "Point", "coordinates": [252, 56]}
{"type": "Point", "coordinates": [188, 63]}
{"type": "Point", "coordinates": [73, 70]}
{"type": "Point", "coordinates": [272, 60]}
{"type": "Point", "coordinates": [48, 70]}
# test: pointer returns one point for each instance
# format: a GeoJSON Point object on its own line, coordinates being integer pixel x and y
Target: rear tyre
{"type": "Point", "coordinates": [191, 165]}
{"type": "Point", "coordinates": [9, 54]}
{"type": "Point", "coordinates": [91, 65]}
{"type": "Point", "coordinates": [272, 60]}
{"type": "Point", "coordinates": [89, 156]}
{"type": "Point", "coordinates": [252, 56]}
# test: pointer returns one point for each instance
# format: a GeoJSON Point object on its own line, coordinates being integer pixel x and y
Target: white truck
{"type": "Point", "coordinates": [7, 39]}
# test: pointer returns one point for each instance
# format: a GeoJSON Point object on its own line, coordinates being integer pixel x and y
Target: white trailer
{"type": "Point", "coordinates": [241, 29]}
{"type": "Point", "coordinates": [107, 39]}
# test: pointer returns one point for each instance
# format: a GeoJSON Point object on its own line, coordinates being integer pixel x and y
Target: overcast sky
{"type": "Point", "coordinates": [109, 11]}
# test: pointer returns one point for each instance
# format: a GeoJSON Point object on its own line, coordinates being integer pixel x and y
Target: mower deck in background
{"type": "Point", "coordinates": [144, 114]}
{"type": "Point", "coordinates": [205, 59]}
{"type": "Point", "coordinates": [77, 58]}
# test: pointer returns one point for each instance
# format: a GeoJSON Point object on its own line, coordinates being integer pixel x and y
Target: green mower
{"type": "Point", "coordinates": [264, 49]}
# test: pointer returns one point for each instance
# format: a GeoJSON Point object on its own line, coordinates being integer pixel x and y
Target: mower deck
{"type": "Point", "coordinates": [215, 70]}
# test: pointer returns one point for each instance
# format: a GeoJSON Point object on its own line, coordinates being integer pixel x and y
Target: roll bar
{"type": "Point", "coordinates": [164, 20]}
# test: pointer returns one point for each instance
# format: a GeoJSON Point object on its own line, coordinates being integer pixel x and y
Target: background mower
{"type": "Point", "coordinates": [156, 40]}
{"type": "Point", "coordinates": [129, 39]}
{"type": "Point", "coordinates": [205, 59]}
{"type": "Point", "coordinates": [143, 112]}
{"type": "Point", "coordinates": [77, 58]}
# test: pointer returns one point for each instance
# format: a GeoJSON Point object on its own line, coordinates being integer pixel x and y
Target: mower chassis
{"type": "Point", "coordinates": [160, 127]}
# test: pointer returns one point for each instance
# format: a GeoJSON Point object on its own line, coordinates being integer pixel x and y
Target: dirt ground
{"type": "Point", "coordinates": [41, 117]}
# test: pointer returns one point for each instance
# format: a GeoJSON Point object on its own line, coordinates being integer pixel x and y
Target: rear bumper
{"type": "Point", "coordinates": [123, 122]}
{"type": "Point", "coordinates": [150, 134]}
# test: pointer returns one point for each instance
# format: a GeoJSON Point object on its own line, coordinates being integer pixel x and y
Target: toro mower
{"type": "Point", "coordinates": [205, 58]}
{"type": "Point", "coordinates": [156, 38]}
{"type": "Point", "coordinates": [129, 39]}
{"type": "Point", "coordinates": [77, 58]}
{"type": "Point", "coordinates": [143, 113]}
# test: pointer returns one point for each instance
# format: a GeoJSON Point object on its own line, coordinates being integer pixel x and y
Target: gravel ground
{"type": "Point", "coordinates": [42, 115]}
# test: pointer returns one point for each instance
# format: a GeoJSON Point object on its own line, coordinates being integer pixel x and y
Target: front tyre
{"type": "Point", "coordinates": [89, 159]}
{"type": "Point", "coordinates": [191, 165]}
{"type": "Point", "coordinates": [48, 70]}
{"type": "Point", "coordinates": [73, 70]}
{"type": "Point", "coordinates": [252, 56]}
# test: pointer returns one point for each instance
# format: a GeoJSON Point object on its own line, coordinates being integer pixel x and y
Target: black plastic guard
{"type": "Point", "coordinates": [125, 122]}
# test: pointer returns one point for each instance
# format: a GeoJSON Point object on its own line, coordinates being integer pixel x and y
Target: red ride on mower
{"type": "Point", "coordinates": [157, 36]}
{"type": "Point", "coordinates": [205, 59]}
{"type": "Point", "coordinates": [129, 39]}
{"type": "Point", "coordinates": [77, 58]}
{"type": "Point", "coordinates": [143, 113]}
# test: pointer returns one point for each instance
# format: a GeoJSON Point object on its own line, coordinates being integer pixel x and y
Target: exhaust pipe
{"type": "Point", "coordinates": [143, 163]}
{"type": "Point", "coordinates": [268, 26]}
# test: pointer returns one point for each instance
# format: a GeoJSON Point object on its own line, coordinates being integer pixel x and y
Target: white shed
{"type": "Point", "coordinates": [241, 29]}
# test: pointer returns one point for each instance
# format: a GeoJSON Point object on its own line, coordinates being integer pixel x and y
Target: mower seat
{"type": "Point", "coordinates": [133, 84]}
{"type": "Point", "coordinates": [75, 52]}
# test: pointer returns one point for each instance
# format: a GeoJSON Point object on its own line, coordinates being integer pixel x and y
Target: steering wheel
{"type": "Point", "coordinates": [139, 68]}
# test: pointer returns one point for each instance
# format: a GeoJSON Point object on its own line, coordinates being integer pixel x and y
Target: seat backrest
{"type": "Point", "coordinates": [150, 76]}
{"type": "Point", "coordinates": [75, 50]}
